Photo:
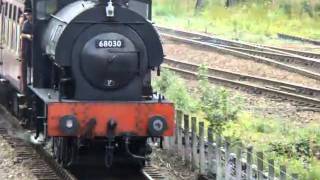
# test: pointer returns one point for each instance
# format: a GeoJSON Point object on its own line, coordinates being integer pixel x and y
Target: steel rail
{"type": "Point", "coordinates": [222, 41]}
{"type": "Point", "coordinates": [240, 54]}
{"type": "Point", "coordinates": [38, 160]}
{"type": "Point", "coordinates": [205, 38]}
{"type": "Point", "coordinates": [305, 59]}
{"type": "Point", "coordinates": [42, 164]}
{"type": "Point", "coordinates": [298, 52]}
{"type": "Point", "coordinates": [152, 173]}
{"type": "Point", "coordinates": [282, 90]}
{"type": "Point", "coordinates": [267, 82]}
{"type": "Point", "coordinates": [62, 173]}
{"type": "Point", "coordinates": [296, 38]}
{"type": "Point", "coordinates": [311, 63]}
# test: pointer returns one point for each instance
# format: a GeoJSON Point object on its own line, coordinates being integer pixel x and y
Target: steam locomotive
{"type": "Point", "coordinates": [90, 76]}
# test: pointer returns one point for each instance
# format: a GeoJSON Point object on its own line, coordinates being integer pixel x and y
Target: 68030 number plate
{"type": "Point", "coordinates": [109, 44]}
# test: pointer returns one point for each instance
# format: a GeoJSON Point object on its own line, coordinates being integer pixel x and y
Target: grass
{"type": "Point", "coordinates": [287, 142]}
{"type": "Point", "coordinates": [253, 22]}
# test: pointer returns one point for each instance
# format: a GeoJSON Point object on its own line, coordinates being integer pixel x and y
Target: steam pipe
{"type": "Point", "coordinates": [130, 153]}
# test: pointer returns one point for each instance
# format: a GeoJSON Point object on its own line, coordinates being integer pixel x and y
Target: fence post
{"type": "Point", "coordinates": [226, 156]}
{"type": "Point", "coordinates": [260, 165]}
{"type": "Point", "coordinates": [186, 140]}
{"type": "Point", "coordinates": [283, 172]}
{"type": "Point", "coordinates": [214, 162]}
{"type": "Point", "coordinates": [194, 158]}
{"type": "Point", "coordinates": [166, 143]}
{"type": "Point", "coordinates": [202, 163]}
{"type": "Point", "coordinates": [271, 169]}
{"type": "Point", "coordinates": [178, 126]}
{"type": "Point", "coordinates": [178, 139]}
{"type": "Point", "coordinates": [210, 134]}
{"type": "Point", "coordinates": [249, 162]}
{"type": "Point", "coordinates": [211, 151]}
{"type": "Point", "coordinates": [254, 171]}
{"type": "Point", "coordinates": [295, 176]}
{"type": "Point", "coordinates": [230, 165]}
{"type": "Point", "coordinates": [218, 158]}
{"type": "Point", "coordinates": [238, 162]}
{"type": "Point", "coordinates": [172, 145]}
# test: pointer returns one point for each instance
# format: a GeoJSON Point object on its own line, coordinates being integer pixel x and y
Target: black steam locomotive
{"type": "Point", "coordinates": [89, 77]}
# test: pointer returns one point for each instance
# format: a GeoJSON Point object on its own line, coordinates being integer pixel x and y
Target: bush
{"type": "Point", "coordinates": [314, 172]}
{"type": "Point", "coordinates": [216, 103]}
{"type": "Point", "coordinates": [175, 89]}
{"type": "Point", "coordinates": [288, 143]}
{"type": "Point", "coordinates": [250, 20]}
{"type": "Point", "coordinates": [173, 7]}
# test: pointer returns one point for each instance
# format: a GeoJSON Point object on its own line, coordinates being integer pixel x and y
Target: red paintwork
{"type": "Point", "coordinates": [130, 117]}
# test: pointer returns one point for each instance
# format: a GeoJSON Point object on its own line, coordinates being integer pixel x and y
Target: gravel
{"type": "Point", "coordinates": [10, 168]}
{"type": "Point", "coordinates": [216, 60]}
{"type": "Point", "coordinates": [262, 106]}
{"type": "Point", "coordinates": [256, 104]}
{"type": "Point", "coordinates": [172, 165]}
{"type": "Point", "coordinates": [299, 46]}
{"type": "Point", "coordinates": [278, 109]}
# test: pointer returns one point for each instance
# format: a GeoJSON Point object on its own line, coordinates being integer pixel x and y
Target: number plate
{"type": "Point", "coordinates": [109, 44]}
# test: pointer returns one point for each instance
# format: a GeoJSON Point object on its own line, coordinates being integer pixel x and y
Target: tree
{"type": "Point", "coordinates": [199, 5]}
{"type": "Point", "coordinates": [230, 3]}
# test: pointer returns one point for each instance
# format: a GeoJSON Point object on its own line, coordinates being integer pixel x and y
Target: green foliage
{"type": "Point", "coordinates": [172, 7]}
{"type": "Point", "coordinates": [175, 89]}
{"type": "Point", "coordinates": [250, 20]}
{"type": "Point", "coordinates": [299, 148]}
{"type": "Point", "coordinates": [288, 143]}
{"type": "Point", "coordinates": [314, 172]}
{"type": "Point", "coordinates": [216, 103]}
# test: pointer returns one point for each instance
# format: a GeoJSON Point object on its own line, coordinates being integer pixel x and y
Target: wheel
{"type": "Point", "coordinates": [56, 149]}
{"type": "Point", "coordinates": [141, 148]}
{"type": "Point", "coordinates": [63, 150]}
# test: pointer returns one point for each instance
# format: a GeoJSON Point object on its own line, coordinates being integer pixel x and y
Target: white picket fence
{"type": "Point", "coordinates": [213, 156]}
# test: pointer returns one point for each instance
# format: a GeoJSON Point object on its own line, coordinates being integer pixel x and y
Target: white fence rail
{"type": "Point", "coordinates": [213, 156]}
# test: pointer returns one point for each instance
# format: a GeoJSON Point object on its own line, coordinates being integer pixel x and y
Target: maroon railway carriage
{"type": "Point", "coordinates": [11, 68]}
{"type": "Point", "coordinates": [91, 76]}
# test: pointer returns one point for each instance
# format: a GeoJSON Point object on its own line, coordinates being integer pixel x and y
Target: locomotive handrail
{"type": "Point", "coordinates": [56, 17]}
{"type": "Point", "coordinates": [108, 22]}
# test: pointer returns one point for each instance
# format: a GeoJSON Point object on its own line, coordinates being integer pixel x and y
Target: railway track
{"type": "Point", "coordinates": [221, 41]}
{"type": "Point", "coordinates": [296, 38]}
{"type": "Point", "coordinates": [121, 172]}
{"type": "Point", "coordinates": [301, 95]}
{"type": "Point", "coordinates": [44, 167]}
{"type": "Point", "coordinates": [301, 53]}
{"type": "Point", "coordinates": [152, 173]}
{"type": "Point", "coordinates": [33, 156]}
{"type": "Point", "coordinates": [304, 63]}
